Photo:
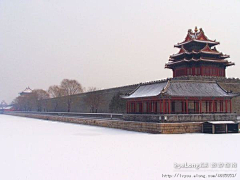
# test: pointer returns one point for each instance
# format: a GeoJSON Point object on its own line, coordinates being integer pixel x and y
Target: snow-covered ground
{"type": "Point", "coordinates": [40, 150]}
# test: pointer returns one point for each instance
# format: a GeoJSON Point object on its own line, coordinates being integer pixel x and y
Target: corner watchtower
{"type": "Point", "coordinates": [198, 56]}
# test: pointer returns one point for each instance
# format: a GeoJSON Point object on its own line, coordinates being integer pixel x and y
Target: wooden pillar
{"type": "Point", "coordinates": [194, 107]}
{"type": "Point", "coordinates": [230, 105]}
{"type": "Point", "coordinates": [213, 106]}
{"type": "Point", "coordinates": [127, 107]}
{"type": "Point", "coordinates": [200, 106]}
{"type": "Point", "coordinates": [153, 105]}
{"type": "Point", "coordinates": [206, 104]}
{"type": "Point", "coordinates": [130, 107]}
{"type": "Point", "coordinates": [164, 106]}
{"type": "Point", "coordinates": [220, 104]}
{"type": "Point", "coordinates": [182, 106]}
{"type": "Point", "coordinates": [216, 106]}
{"type": "Point", "coordinates": [156, 107]}
{"type": "Point", "coordinates": [134, 107]}
{"type": "Point", "coordinates": [160, 106]}
{"type": "Point", "coordinates": [132, 104]}
{"type": "Point", "coordinates": [187, 106]}
{"type": "Point", "coordinates": [169, 106]}
{"type": "Point", "coordinates": [226, 108]}
{"type": "Point", "coordinates": [148, 104]}
{"type": "Point", "coordinates": [210, 106]}
{"type": "Point", "coordinates": [197, 106]}
{"type": "Point", "coordinates": [140, 107]}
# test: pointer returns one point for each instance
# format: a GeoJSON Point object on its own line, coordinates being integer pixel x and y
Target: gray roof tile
{"type": "Point", "coordinates": [182, 88]}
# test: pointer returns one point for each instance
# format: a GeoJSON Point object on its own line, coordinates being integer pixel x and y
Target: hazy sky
{"type": "Point", "coordinates": [104, 43]}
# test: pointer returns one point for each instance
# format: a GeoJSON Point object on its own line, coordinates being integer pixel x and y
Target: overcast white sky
{"type": "Point", "coordinates": [105, 43]}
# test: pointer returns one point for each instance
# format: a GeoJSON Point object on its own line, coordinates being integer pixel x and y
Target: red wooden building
{"type": "Point", "coordinates": [179, 97]}
{"type": "Point", "coordinates": [199, 57]}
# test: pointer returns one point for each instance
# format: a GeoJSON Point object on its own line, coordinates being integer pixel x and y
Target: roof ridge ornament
{"type": "Point", "coordinates": [196, 29]}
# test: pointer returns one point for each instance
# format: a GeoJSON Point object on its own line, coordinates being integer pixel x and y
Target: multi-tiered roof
{"type": "Point", "coordinates": [197, 48]}
{"type": "Point", "coordinates": [28, 90]}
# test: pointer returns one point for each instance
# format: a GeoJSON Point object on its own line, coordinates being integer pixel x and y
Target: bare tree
{"type": "Point", "coordinates": [93, 99]}
{"type": "Point", "coordinates": [69, 88]}
{"type": "Point", "coordinates": [40, 96]}
{"type": "Point", "coordinates": [31, 101]}
{"type": "Point", "coordinates": [55, 91]}
{"type": "Point", "coordinates": [91, 89]}
{"type": "Point", "coordinates": [25, 102]}
{"type": "Point", "coordinates": [18, 103]}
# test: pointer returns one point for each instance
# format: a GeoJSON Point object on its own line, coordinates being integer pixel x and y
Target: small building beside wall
{"type": "Point", "coordinates": [216, 127]}
{"type": "Point", "coordinates": [6, 109]}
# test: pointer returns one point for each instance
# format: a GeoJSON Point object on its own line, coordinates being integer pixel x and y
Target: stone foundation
{"type": "Point", "coordinates": [148, 127]}
{"type": "Point", "coordinates": [173, 118]}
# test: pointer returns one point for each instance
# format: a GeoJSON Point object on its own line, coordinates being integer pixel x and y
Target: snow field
{"type": "Point", "coordinates": [42, 150]}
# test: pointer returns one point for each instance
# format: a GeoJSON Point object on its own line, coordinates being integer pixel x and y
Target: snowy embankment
{"type": "Point", "coordinates": [36, 149]}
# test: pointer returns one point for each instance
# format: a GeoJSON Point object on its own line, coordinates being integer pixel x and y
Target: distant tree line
{"type": "Point", "coordinates": [62, 94]}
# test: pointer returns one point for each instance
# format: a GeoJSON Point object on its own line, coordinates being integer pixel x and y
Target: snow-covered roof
{"type": "Point", "coordinates": [223, 61]}
{"type": "Point", "coordinates": [7, 108]}
{"type": "Point", "coordinates": [196, 89]}
{"type": "Point", "coordinates": [199, 41]}
{"type": "Point", "coordinates": [27, 90]}
{"type": "Point", "coordinates": [196, 36]}
{"type": "Point", "coordinates": [148, 90]}
{"type": "Point", "coordinates": [180, 88]}
{"type": "Point", "coordinates": [222, 122]}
